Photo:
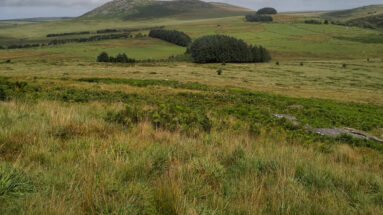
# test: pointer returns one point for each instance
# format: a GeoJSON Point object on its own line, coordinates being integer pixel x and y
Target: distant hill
{"type": "Point", "coordinates": [146, 9]}
{"type": "Point", "coordinates": [367, 16]}
{"type": "Point", "coordinates": [356, 13]}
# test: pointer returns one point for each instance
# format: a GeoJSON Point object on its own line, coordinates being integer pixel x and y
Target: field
{"type": "Point", "coordinates": [173, 137]}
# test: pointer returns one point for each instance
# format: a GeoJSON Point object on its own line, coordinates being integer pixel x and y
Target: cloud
{"type": "Point", "coordinates": [66, 3]}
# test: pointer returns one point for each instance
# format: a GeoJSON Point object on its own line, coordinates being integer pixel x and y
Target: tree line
{"type": "Point", "coordinates": [120, 58]}
{"type": "Point", "coordinates": [171, 36]}
{"type": "Point", "coordinates": [68, 34]}
{"type": "Point", "coordinates": [258, 18]}
{"type": "Point", "coordinates": [225, 49]}
{"type": "Point", "coordinates": [72, 40]}
{"type": "Point", "coordinates": [90, 39]}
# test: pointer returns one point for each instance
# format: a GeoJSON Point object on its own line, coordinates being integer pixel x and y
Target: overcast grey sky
{"type": "Point", "coordinates": [11, 9]}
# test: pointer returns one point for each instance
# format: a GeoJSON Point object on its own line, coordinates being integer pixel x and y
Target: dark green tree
{"type": "Point", "coordinates": [221, 48]}
{"type": "Point", "coordinates": [171, 36]}
{"type": "Point", "coordinates": [267, 10]}
{"type": "Point", "coordinates": [103, 57]}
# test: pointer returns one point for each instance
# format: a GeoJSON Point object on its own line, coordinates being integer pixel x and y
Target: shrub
{"type": "Point", "coordinates": [219, 72]}
{"type": "Point", "coordinates": [103, 57]}
{"type": "Point", "coordinates": [120, 58]}
{"type": "Point", "coordinates": [326, 22]}
{"type": "Point", "coordinates": [8, 61]}
{"type": "Point", "coordinates": [3, 96]}
{"type": "Point", "coordinates": [220, 48]}
{"type": "Point", "coordinates": [267, 10]}
{"type": "Point", "coordinates": [313, 21]}
{"type": "Point", "coordinates": [68, 34]}
{"type": "Point", "coordinates": [258, 18]}
{"type": "Point", "coordinates": [171, 36]}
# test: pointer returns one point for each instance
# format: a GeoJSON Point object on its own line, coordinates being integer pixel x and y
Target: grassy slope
{"type": "Point", "coordinates": [347, 15]}
{"type": "Point", "coordinates": [79, 162]}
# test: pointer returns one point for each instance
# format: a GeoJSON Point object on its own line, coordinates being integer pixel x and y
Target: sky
{"type": "Point", "coordinates": [14, 9]}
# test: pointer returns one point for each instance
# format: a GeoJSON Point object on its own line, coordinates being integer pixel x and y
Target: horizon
{"type": "Point", "coordinates": [23, 9]}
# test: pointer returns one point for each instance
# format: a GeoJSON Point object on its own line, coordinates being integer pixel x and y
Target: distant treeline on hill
{"type": "Point", "coordinates": [314, 21]}
{"type": "Point", "coordinates": [90, 39]}
{"type": "Point", "coordinates": [72, 40]}
{"type": "Point", "coordinates": [258, 18]}
{"type": "Point", "coordinates": [68, 34]}
{"type": "Point", "coordinates": [103, 31]}
{"type": "Point", "coordinates": [225, 49]}
{"type": "Point", "coordinates": [171, 36]}
{"type": "Point", "coordinates": [120, 58]}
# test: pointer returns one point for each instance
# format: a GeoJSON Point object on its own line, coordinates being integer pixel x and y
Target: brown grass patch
{"type": "Point", "coordinates": [127, 43]}
{"type": "Point", "coordinates": [13, 145]}
{"type": "Point", "coordinates": [76, 129]}
{"type": "Point", "coordinates": [311, 37]}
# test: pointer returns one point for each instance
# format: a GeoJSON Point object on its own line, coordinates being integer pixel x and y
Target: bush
{"type": "Point", "coordinates": [103, 57]}
{"type": "Point", "coordinates": [267, 10]}
{"type": "Point", "coordinates": [258, 18]}
{"type": "Point", "coordinates": [220, 48]}
{"type": "Point", "coordinates": [68, 34]}
{"type": "Point", "coordinates": [3, 96]}
{"type": "Point", "coordinates": [120, 58]}
{"type": "Point", "coordinates": [313, 21]}
{"type": "Point", "coordinates": [219, 72]}
{"type": "Point", "coordinates": [171, 36]}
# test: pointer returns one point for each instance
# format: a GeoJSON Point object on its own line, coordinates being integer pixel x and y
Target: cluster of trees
{"type": "Point", "coordinates": [267, 11]}
{"type": "Point", "coordinates": [23, 46]}
{"type": "Point", "coordinates": [120, 58]}
{"type": "Point", "coordinates": [260, 15]}
{"type": "Point", "coordinates": [111, 30]}
{"type": "Point", "coordinates": [90, 39]}
{"type": "Point", "coordinates": [314, 21]}
{"type": "Point", "coordinates": [73, 40]}
{"type": "Point", "coordinates": [171, 36]}
{"type": "Point", "coordinates": [258, 18]}
{"type": "Point", "coordinates": [224, 49]}
{"type": "Point", "coordinates": [68, 34]}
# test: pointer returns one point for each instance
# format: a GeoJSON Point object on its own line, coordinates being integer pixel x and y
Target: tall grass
{"type": "Point", "coordinates": [100, 167]}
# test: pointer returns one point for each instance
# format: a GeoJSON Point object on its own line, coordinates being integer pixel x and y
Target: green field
{"type": "Point", "coordinates": [174, 137]}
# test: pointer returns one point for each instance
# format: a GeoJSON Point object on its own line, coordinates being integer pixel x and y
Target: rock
{"type": "Point", "coordinates": [336, 132]}
{"type": "Point", "coordinates": [293, 119]}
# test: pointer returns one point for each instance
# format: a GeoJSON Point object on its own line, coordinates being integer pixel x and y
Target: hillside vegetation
{"type": "Point", "coordinates": [144, 9]}
{"type": "Point", "coordinates": [367, 17]}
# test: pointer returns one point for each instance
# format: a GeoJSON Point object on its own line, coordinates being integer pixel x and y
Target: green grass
{"type": "Point", "coordinates": [81, 137]}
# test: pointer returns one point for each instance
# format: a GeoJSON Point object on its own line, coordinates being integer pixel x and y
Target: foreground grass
{"type": "Point", "coordinates": [127, 146]}
{"type": "Point", "coordinates": [81, 164]}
